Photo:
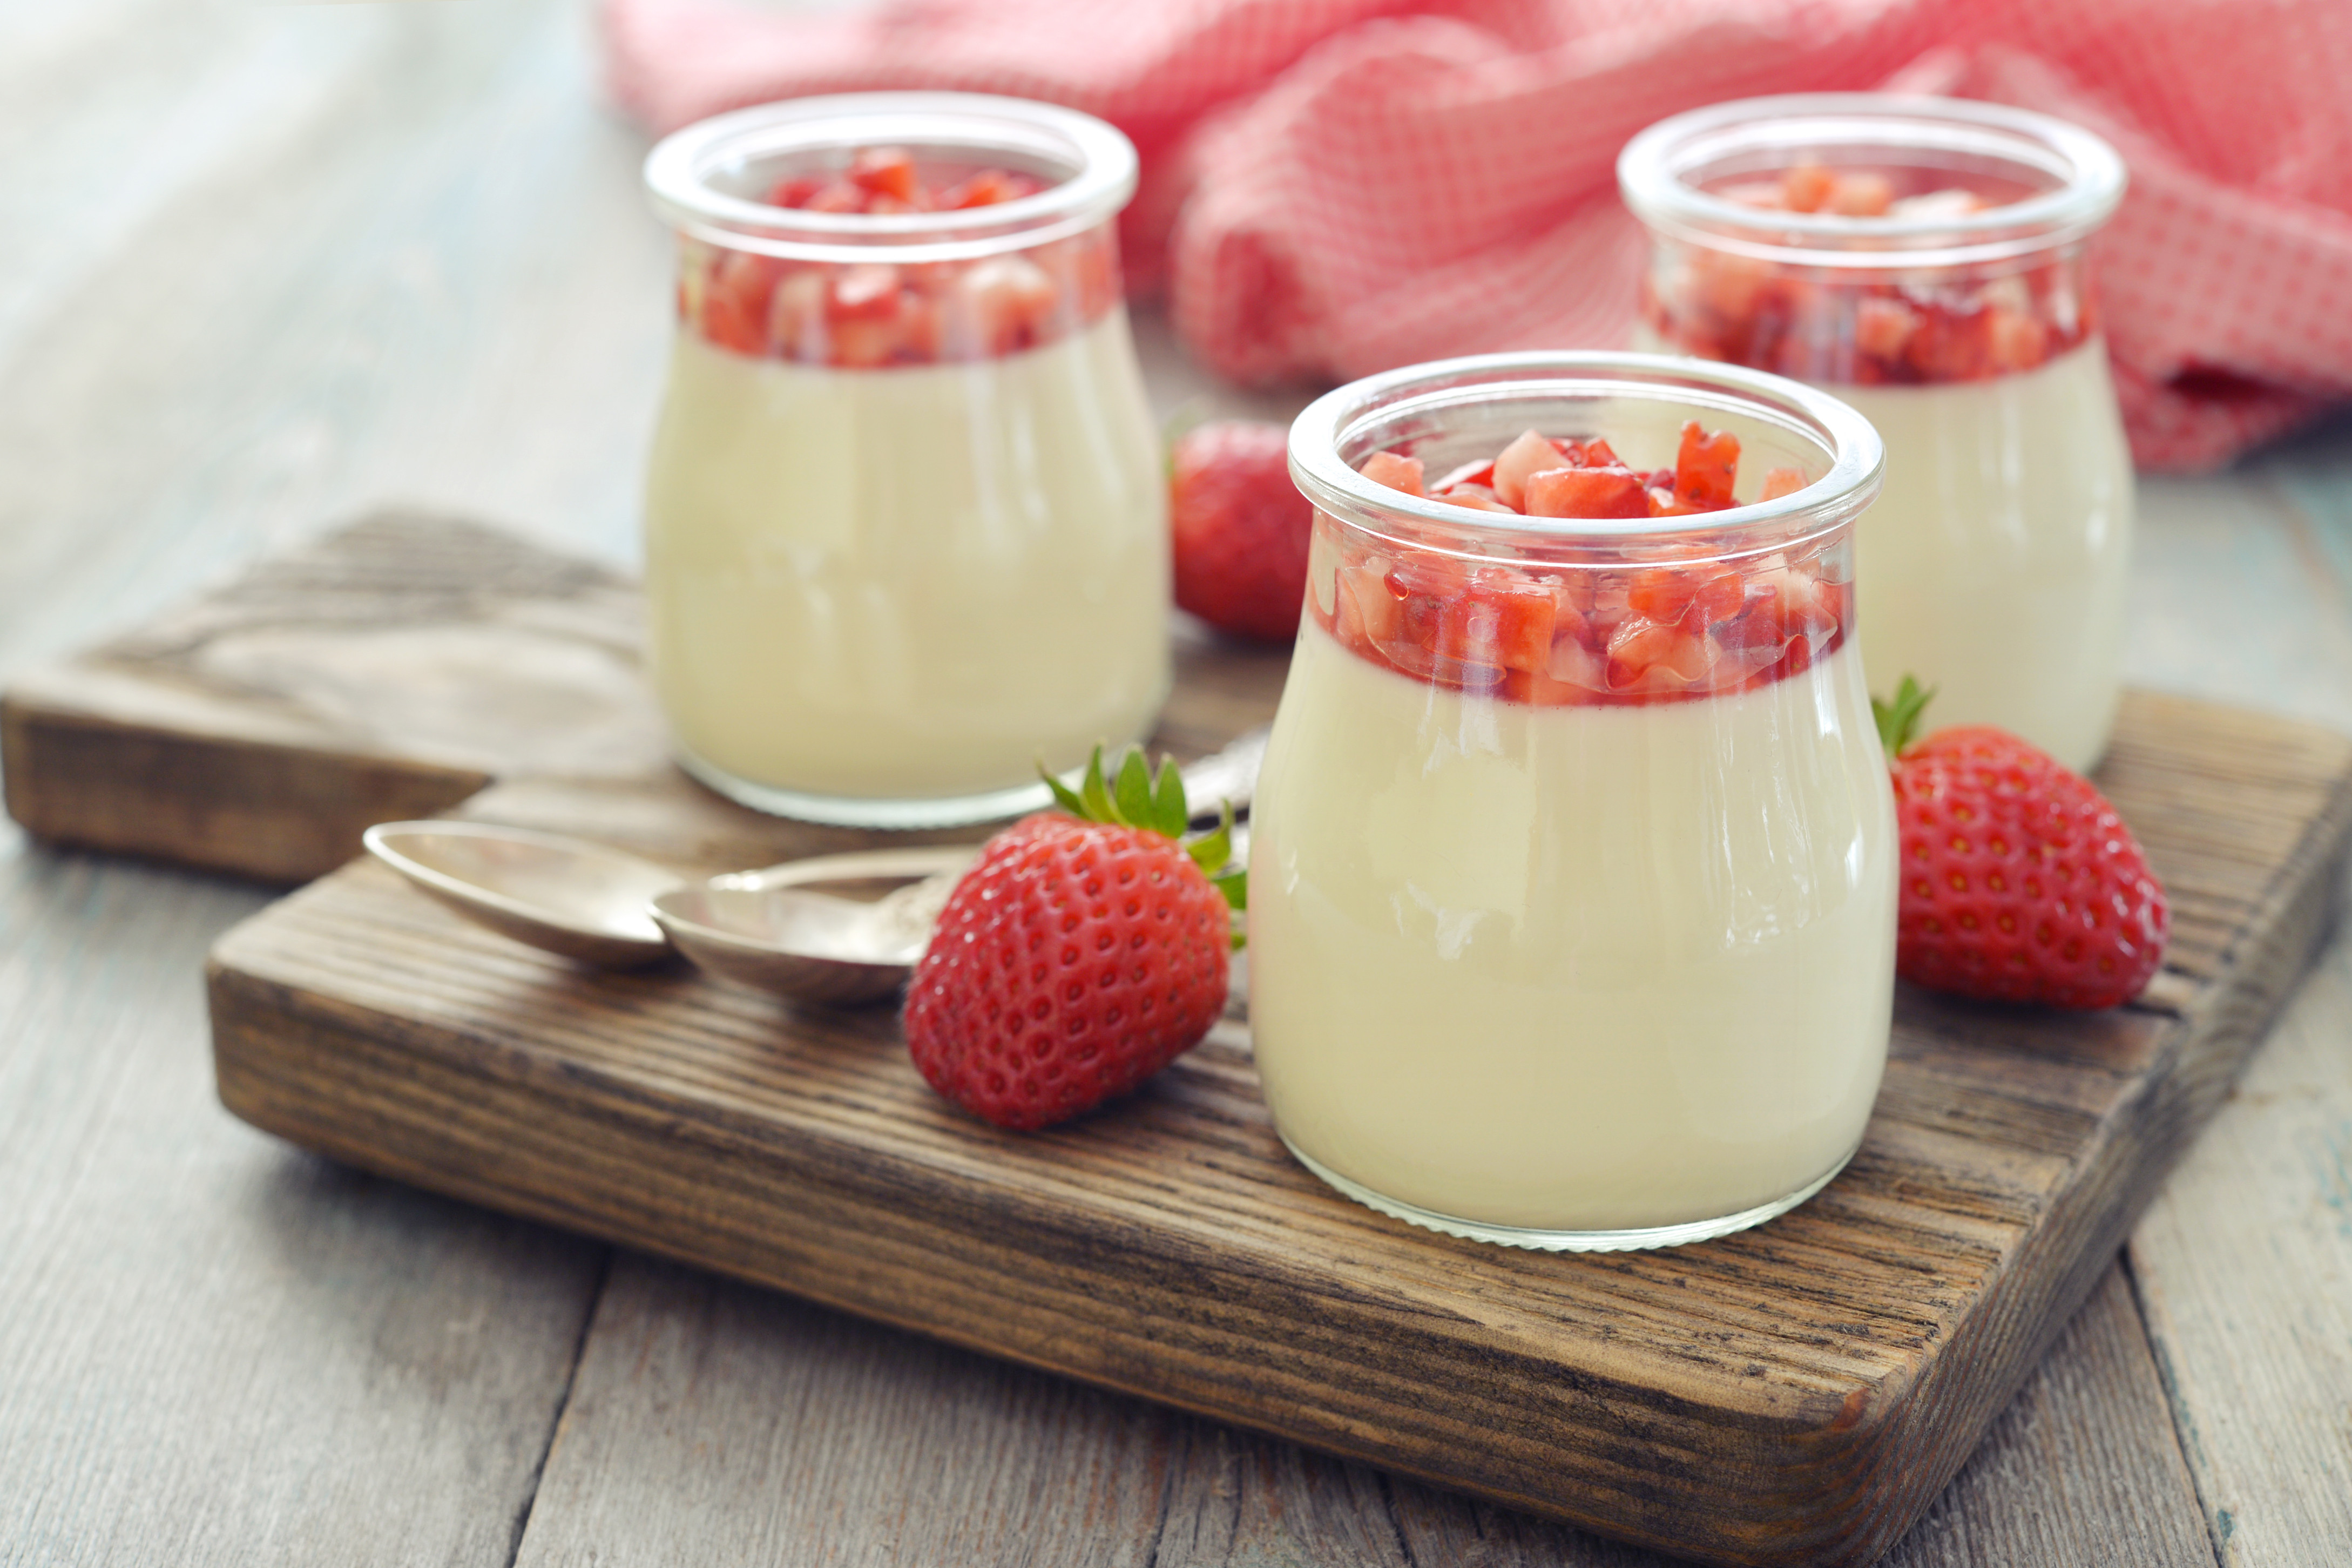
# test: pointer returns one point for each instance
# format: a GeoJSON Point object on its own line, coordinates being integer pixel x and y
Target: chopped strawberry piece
{"type": "Point", "coordinates": [1806, 187]}
{"type": "Point", "coordinates": [870, 314]}
{"type": "Point", "coordinates": [886, 172]}
{"type": "Point", "coordinates": [1528, 454]}
{"type": "Point", "coordinates": [1501, 621]}
{"type": "Point", "coordinates": [735, 301]}
{"type": "Point", "coordinates": [861, 343]}
{"type": "Point", "coordinates": [1882, 327]}
{"type": "Point", "coordinates": [1613, 492]}
{"type": "Point", "coordinates": [987, 188]}
{"type": "Point", "coordinates": [1949, 345]}
{"type": "Point", "coordinates": [1705, 466]}
{"type": "Point", "coordinates": [1779, 482]}
{"type": "Point", "coordinates": [865, 293]}
{"type": "Point", "coordinates": [1751, 309]}
{"type": "Point", "coordinates": [1594, 454]}
{"type": "Point", "coordinates": [1645, 656]}
{"type": "Point", "coordinates": [796, 317]}
{"type": "Point", "coordinates": [1004, 304]}
{"type": "Point", "coordinates": [840, 196]}
{"type": "Point", "coordinates": [2016, 341]}
{"type": "Point", "coordinates": [1860, 196]}
{"type": "Point", "coordinates": [1662, 594]}
{"type": "Point", "coordinates": [1399, 473]}
{"type": "Point", "coordinates": [1478, 498]}
{"type": "Point", "coordinates": [1479, 473]}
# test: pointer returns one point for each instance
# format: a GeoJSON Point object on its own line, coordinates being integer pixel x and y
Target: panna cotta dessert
{"type": "Point", "coordinates": [1926, 261]}
{"type": "Point", "coordinates": [1572, 866]}
{"type": "Point", "coordinates": [905, 525]}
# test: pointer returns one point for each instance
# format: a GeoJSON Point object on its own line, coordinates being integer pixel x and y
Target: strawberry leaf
{"type": "Point", "coordinates": [1064, 796]}
{"type": "Point", "coordinates": [1235, 885]}
{"type": "Point", "coordinates": [1898, 721]}
{"type": "Point", "coordinates": [1094, 800]}
{"type": "Point", "coordinates": [1214, 850]}
{"type": "Point", "coordinates": [1168, 810]}
{"type": "Point", "coordinates": [1131, 793]}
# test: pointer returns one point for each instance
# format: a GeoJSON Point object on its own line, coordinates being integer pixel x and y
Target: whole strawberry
{"type": "Point", "coordinates": [2020, 882]}
{"type": "Point", "coordinates": [1083, 953]}
{"type": "Point", "coordinates": [1240, 529]}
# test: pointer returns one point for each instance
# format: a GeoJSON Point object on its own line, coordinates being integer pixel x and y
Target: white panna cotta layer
{"type": "Point", "coordinates": [1572, 969]}
{"type": "Point", "coordinates": [907, 583]}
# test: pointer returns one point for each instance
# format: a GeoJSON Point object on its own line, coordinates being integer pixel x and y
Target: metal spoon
{"type": "Point", "coordinates": [766, 928]}
{"type": "Point", "coordinates": [567, 896]}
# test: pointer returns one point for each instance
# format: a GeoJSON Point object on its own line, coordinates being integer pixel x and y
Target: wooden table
{"type": "Point", "coordinates": [264, 267]}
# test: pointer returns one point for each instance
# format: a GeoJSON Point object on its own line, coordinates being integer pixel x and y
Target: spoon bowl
{"type": "Point", "coordinates": [583, 900]}
{"type": "Point", "coordinates": [772, 929]}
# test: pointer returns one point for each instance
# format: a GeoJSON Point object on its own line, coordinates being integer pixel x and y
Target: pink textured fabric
{"type": "Point", "coordinates": [1336, 187]}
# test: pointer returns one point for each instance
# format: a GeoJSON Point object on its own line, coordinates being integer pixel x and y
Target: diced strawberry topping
{"type": "Point", "coordinates": [1528, 454]}
{"type": "Point", "coordinates": [987, 188]}
{"type": "Point", "coordinates": [1705, 466]}
{"type": "Point", "coordinates": [1611, 492]}
{"type": "Point", "coordinates": [887, 172]}
{"type": "Point", "coordinates": [1860, 196]}
{"type": "Point", "coordinates": [1399, 473]}
{"type": "Point", "coordinates": [868, 315]}
{"type": "Point", "coordinates": [1676, 628]}
{"type": "Point", "coordinates": [865, 293]}
{"type": "Point", "coordinates": [1868, 330]}
{"type": "Point", "coordinates": [1807, 188]}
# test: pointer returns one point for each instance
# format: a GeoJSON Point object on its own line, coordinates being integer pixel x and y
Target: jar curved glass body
{"type": "Point", "coordinates": [1545, 951]}
{"type": "Point", "coordinates": [905, 523]}
{"type": "Point", "coordinates": [1994, 565]}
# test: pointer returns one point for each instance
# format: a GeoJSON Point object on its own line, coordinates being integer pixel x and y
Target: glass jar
{"type": "Point", "coordinates": [906, 521]}
{"type": "Point", "coordinates": [1551, 944]}
{"type": "Point", "coordinates": [1939, 281]}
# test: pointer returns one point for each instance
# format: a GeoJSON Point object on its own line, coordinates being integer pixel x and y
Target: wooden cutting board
{"type": "Point", "coordinates": [1795, 1393]}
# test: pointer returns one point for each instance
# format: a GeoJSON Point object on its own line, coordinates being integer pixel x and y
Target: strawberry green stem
{"type": "Point", "coordinates": [1898, 721]}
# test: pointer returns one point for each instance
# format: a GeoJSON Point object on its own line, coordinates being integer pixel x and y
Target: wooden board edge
{"type": "Point", "coordinates": [2204, 1052]}
{"type": "Point", "coordinates": [272, 812]}
{"type": "Point", "coordinates": [1762, 1508]}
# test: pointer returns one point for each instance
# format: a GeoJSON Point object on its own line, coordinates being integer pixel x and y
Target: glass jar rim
{"type": "Point", "coordinates": [1651, 172]}
{"type": "Point", "coordinates": [678, 175]}
{"type": "Point", "coordinates": [1857, 456]}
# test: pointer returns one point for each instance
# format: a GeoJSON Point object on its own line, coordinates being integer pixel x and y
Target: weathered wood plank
{"type": "Point", "coordinates": [212, 1349]}
{"type": "Point", "coordinates": [714, 1423]}
{"type": "Point", "coordinates": [2244, 1263]}
{"type": "Point", "coordinates": [1810, 1385]}
{"type": "Point", "coordinates": [392, 671]}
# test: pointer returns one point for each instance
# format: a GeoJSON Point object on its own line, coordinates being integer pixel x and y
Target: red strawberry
{"type": "Point", "coordinates": [1080, 955]}
{"type": "Point", "coordinates": [1240, 529]}
{"type": "Point", "coordinates": [2020, 882]}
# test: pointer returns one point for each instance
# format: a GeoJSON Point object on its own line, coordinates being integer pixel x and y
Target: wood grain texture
{"type": "Point", "coordinates": [270, 267]}
{"type": "Point", "coordinates": [2245, 1269]}
{"type": "Point", "coordinates": [214, 1349]}
{"type": "Point", "coordinates": [392, 671]}
{"type": "Point", "coordinates": [711, 1422]}
{"type": "Point", "coordinates": [1797, 1393]}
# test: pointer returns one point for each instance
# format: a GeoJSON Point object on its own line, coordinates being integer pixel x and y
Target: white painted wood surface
{"type": "Point", "coordinates": [264, 267]}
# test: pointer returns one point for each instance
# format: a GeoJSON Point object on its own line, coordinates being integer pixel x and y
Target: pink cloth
{"type": "Point", "coordinates": [1336, 187]}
